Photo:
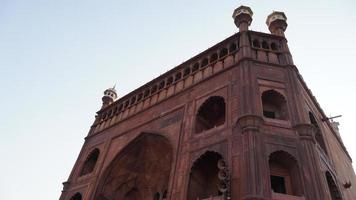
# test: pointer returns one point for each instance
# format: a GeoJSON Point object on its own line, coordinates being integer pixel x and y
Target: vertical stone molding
{"type": "Point", "coordinates": [254, 169]}
{"type": "Point", "coordinates": [310, 162]}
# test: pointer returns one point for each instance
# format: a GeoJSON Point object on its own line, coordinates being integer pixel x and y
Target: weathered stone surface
{"type": "Point", "coordinates": [152, 148]}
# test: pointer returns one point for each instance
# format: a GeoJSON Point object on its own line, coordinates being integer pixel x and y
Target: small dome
{"type": "Point", "coordinates": [109, 96]}
{"type": "Point", "coordinates": [111, 92]}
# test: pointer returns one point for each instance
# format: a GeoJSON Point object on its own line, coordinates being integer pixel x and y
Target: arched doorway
{"type": "Point", "coordinates": [139, 171]}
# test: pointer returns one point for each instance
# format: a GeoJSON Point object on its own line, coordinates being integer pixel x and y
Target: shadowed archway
{"type": "Point", "coordinates": [208, 178]}
{"type": "Point", "coordinates": [139, 171]}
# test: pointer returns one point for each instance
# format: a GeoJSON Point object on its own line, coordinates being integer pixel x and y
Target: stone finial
{"type": "Point", "coordinates": [109, 96]}
{"type": "Point", "coordinates": [242, 17]}
{"type": "Point", "coordinates": [277, 23]}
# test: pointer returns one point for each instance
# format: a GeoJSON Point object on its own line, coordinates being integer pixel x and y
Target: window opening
{"type": "Point", "coordinates": [154, 89]}
{"type": "Point", "coordinates": [178, 76]}
{"type": "Point", "coordinates": [204, 181]}
{"type": "Point", "coordinates": [274, 46]}
{"type": "Point", "coordinates": [186, 71]}
{"type": "Point", "coordinates": [214, 57]}
{"type": "Point", "coordinates": [205, 62]}
{"type": "Point", "coordinates": [265, 45]}
{"type": "Point", "coordinates": [284, 174]}
{"type": "Point", "coordinates": [210, 114]}
{"type": "Point", "coordinates": [169, 81]}
{"type": "Point", "coordinates": [232, 47]}
{"type": "Point", "coordinates": [146, 93]}
{"type": "Point", "coordinates": [256, 43]}
{"type": "Point", "coordinates": [133, 100]}
{"type": "Point", "coordinates": [90, 162]}
{"type": "Point", "coordinates": [127, 103]}
{"type": "Point", "coordinates": [139, 97]}
{"type": "Point", "coordinates": [195, 67]}
{"type": "Point", "coordinates": [161, 85]}
{"type": "Point", "coordinates": [223, 52]}
{"type": "Point", "coordinates": [274, 105]}
{"type": "Point", "coordinates": [278, 184]}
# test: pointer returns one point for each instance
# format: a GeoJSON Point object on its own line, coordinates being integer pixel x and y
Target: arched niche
{"type": "Point", "coordinates": [285, 177]}
{"type": "Point", "coordinates": [208, 177]}
{"type": "Point", "coordinates": [210, 114]}
{"type": "Point", "coordinates": [274, 105]}
{"type": "Point", "coordinates": [90, 162]}
{"type": "Point", "coordinates": [139, 171]}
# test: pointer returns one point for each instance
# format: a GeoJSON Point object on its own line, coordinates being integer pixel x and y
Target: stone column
{"type": "Point", "coordinates": [254, 167]}
{"type": "Point", "coordinates": [310, 164]}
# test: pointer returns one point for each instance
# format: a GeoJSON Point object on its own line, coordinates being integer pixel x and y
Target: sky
{"type": "Point", "coordinates": [57, 58]}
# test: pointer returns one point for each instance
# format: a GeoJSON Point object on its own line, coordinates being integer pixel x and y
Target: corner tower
{"type": "Point", "coordinates": [235, 122]}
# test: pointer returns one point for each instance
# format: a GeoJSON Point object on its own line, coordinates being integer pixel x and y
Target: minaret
{"type": "Point", "coordinates": [242, 17]}
{"type": "Point", "coordinates": [109, 96]}
{"type": "Point", "coordinates": [277, 25]}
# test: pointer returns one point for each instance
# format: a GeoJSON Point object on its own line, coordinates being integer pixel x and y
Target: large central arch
{"type": "Point", "coordinates": [139, 172]}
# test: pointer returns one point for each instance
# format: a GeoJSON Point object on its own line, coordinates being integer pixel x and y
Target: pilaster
{"type": "Point", "coordinates": [254, 167]}
{"type": "Point", "coordinates": [310, 164]}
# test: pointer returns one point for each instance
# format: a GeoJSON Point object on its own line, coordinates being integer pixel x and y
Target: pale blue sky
{"type": "Point", "coordinates": [57, 57]}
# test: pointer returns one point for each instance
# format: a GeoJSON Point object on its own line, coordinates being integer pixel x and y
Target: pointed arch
{"type": "Point", "coordinates": [285, 175]}
{"type": "Point", "coordinates": [140, 170]}
{"type": "Point", "coordinates": [210, 114]}
{"type": "Point", "coordinates": [208, 177]}
{"type": "Point", "coordinates": [90, 162]}
{"type": "Point", "coordinates": [274, 105]}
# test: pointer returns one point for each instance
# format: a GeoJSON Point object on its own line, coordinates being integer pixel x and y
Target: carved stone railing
{"type": "Point", "coordinates": [212, 61]}
{"type": "Point", "coordinates": [266, 47]}
{"type": "Point", "coordinates": [219, 57]}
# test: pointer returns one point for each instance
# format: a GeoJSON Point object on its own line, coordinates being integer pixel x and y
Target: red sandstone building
{"type": "Point", "coordinates": [234, 122]}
